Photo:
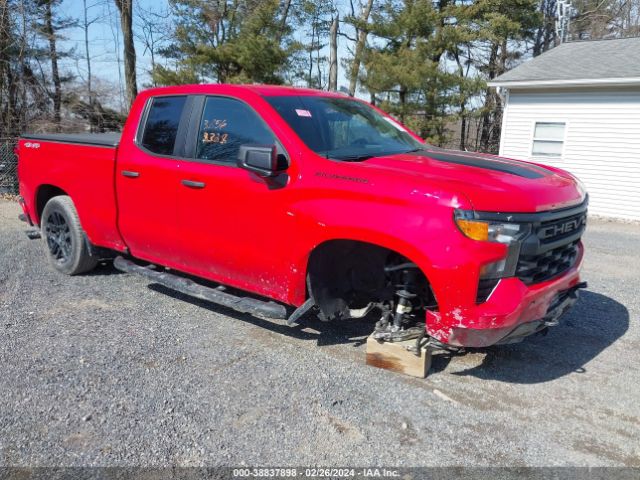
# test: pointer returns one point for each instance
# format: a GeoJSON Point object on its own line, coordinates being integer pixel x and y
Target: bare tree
{"type": "Point", "coordinates": [7, 106]}
{"type": "Point", "coordinates": [155, 30]}
{"type": "Point", "coordinates": [125, 7]}
{"type": "Point", "coordinates": [50, 35]}
{"type": "Point", "coordinates": [361, 41]}
{"type": "Point", "coordinates": [333, 54]}
{"type": "Point", "coordinates": [85, 27]}
{"type": "Point", "coordinates": [545, 37]}
{"type": "Point", "coordinates": [597, 19]}
{"type": "Point", "coordinates": [283, 19]}
{"type": "Point", "coordinates": [24, 93]}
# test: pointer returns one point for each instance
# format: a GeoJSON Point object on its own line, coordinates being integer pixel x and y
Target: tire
{"type": "Point", "coordinates": [66, 242]}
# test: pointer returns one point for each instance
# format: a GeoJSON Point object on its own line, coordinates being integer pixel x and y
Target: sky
{"type": "Point", "coordinates": [105, 44]}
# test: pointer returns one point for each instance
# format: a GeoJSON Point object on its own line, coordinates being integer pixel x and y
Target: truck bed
{"type": "Point", "coordinates": [79, 165]}
{"type": "Point", "coordinates": [111, 139]}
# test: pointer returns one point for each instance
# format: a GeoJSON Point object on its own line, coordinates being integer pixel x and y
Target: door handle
{"type": "Point", "coordinates": [193, 184]}
{"type": "Point", "coordinates": [130, 174]}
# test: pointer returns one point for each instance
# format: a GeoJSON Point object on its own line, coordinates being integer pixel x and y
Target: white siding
{"type": "Point", "coordinates": [601, 145]}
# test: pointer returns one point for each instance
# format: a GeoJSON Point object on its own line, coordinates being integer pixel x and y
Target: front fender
{"type": "Point", "coordinates": [423, 235]}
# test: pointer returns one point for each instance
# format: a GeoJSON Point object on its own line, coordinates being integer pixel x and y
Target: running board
{"type": "Point", "coordinates": [189, 287]}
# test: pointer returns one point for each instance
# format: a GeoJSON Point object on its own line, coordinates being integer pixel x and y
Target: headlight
{"type": "Point", "coordinates": [473, 226]}
{"type": "Point", "coordinates": [490, 231]}
{"type": "Point", "coordinates": [580, 187]}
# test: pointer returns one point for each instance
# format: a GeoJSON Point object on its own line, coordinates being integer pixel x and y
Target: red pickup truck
{"type": "Point", "coordinates": [316, 201]}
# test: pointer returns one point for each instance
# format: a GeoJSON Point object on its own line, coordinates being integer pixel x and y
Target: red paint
{"type": "Point", "coordinates": [239, 232]}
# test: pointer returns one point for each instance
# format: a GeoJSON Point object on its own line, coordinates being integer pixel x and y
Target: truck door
{"type": "Point", "coordinates": [233, 224]}
{"type": "Point", "coordinates": [147, 181]}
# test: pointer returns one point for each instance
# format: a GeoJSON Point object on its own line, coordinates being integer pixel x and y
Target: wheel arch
{"type": "Point", "coordinates": [44, 193]}
{"type": "Point", "coordinates": [330, 259]}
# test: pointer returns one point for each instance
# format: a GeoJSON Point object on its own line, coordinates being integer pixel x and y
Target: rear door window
{"type": "Point", "coordinates": [226, 124]}
{"type": "Point", "coordinates": [161, 127]}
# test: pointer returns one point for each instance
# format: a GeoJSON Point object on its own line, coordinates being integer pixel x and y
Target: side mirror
{"type": "Point", "coordinates": [261, 159]}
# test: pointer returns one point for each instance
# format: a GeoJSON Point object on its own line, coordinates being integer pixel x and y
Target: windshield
{"type": "Point", "coordinates": [342, 128]}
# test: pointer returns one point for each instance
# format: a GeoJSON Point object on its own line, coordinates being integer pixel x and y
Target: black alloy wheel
{"type": "Point", "coordinates": [58, 235]}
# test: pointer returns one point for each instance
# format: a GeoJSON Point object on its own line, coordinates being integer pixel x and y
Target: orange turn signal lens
{"type": "Point", "coordinates": [474, 229]}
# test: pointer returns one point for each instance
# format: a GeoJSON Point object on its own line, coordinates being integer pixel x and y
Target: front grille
{"type": "Point", "coordinates": [549, 249]}
{"type": "Point", "coordinates": [556, 230]}
{"type": "Point", "coordinates": [552, 247]}
{"type": "Point", "coordinates": [545, 266]}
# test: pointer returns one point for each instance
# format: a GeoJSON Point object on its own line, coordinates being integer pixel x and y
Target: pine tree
{"type": "Point", "coordinates": [402, 64]}
{"type": "Point", "coordinates": [240, 41]}
{"type": "Point", "coordinates": [49, 25]}
{"type": "Point", "coordinates": [500, 24]}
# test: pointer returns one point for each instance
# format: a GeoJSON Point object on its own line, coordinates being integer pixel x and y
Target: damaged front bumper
{"type": "Point", "coordinates": [562, 303]}
{"type": "Point", "coordinates": [513, 312]}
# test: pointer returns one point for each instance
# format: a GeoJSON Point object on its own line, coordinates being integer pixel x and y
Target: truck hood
{"type": "Point", "coordinates": [489, 182]}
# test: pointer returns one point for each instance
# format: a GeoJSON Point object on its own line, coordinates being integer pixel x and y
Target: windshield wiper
{"type": "Point", "coordinates": [366, 156]}
{"type": "Point", "coordinates": [355, 158]}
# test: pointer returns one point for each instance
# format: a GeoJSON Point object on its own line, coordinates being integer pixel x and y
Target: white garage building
{"type": "Point", "coordinates": [577, 107]}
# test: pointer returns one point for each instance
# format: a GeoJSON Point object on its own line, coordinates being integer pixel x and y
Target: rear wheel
{"type": "Point", "coordinates": [66, 242]}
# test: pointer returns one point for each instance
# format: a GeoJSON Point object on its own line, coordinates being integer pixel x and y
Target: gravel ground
{"type": "Point", "coordinates": [107, 369]}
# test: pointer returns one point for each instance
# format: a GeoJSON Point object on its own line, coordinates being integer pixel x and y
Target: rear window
{"type": "Point", "coordinates": [161, 127]}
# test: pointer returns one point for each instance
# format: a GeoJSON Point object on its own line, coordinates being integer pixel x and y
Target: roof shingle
{"type": "Point", "coordinates": [585, 60]}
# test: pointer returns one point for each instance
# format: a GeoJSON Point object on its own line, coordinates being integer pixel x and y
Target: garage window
{"type": "Point", "coordinates": [548, 139]}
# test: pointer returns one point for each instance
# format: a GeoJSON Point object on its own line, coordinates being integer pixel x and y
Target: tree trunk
{"type": "Point", "coordinates": [126, 16]}
{"type": "Point", "coordinates": [360, 44]}
{"type": "Point", "coordinates": [402, 94]}
{"type": "Point", "coordinates": [318, 58]}
{"type": "Point", "coordinates": [313, 40]}
{"type": "Point", "coordinates": [463, 129]}
{"type": "Point", "coordinates": [5, 40]}
{"type": "Point", "coordinates": [432, 126]}
{"type": "Point", "coordinates": [494, 137]}
{"type": "Point", "coordinates": [55, 75]}
{"type": "Point", "coordinates": [333, 55]}
{"type": "Point", "coordinates": [283, 20]}
{"type": "Point", "coordinates": [463, 103]}
{"type": "Point", "coordinates": [92, 115]}
{"type": "Point", "coordinates": [489, 101]}
{"type": "Point", "coordinates": [545, 35]}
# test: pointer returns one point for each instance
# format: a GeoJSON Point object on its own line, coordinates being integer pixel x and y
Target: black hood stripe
{"type": "Point", "coordinates": [520, 169]}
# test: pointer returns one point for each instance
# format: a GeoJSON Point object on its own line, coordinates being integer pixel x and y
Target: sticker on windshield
{"type": "Point", "coordinates": [395, 124]}
{"type": "Point", "coordinates": [303, 113]}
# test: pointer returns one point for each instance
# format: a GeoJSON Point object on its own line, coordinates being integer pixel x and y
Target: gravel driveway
{"type": "Point", "coordinates": [108, 369]}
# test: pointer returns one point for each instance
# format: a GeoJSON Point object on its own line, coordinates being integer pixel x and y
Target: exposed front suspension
{"type": "Point", "coordinates": [403, 317]}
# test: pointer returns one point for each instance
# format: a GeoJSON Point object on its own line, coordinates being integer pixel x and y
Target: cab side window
{"type": "Point", "coordinates": [226, 124]}
{"type": "Point", "coordinates": [161, 127]}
